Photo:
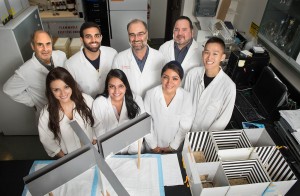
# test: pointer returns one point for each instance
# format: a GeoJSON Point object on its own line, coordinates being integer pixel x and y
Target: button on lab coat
{"type": "Point", "coordinates": [105, 118]}
{"type": "Point", "coordinates": [213, 104]}
{"type": "Point", "coordinates": [139, 81]}
{"type": "Point", "coordinates": [169, 123]}
{"type": "Point", "coordinates": [28, 84]}
{"type": "Point", "coordinates": [69, 141]}
{"type": "Point", "coordinates": [88, 78]}
{"type": "Point", "coordinates": [192, 59]}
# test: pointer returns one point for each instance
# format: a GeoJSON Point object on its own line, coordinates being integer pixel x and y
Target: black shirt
{"type": "Point", "coordinates": [207, 80]}
{"type": "Point", "coordinates": [95, 63]}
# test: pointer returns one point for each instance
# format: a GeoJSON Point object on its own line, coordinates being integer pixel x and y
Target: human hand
{"type": "Point", "coordinates": [156, 150]}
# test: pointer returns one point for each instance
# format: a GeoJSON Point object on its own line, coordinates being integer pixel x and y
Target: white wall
{"type": "Point", "coordinates": [247, 12]}
{"type": "Point", "coordinates": [188, 8]}
{"type": "Point", "coordinates": [157, 21]}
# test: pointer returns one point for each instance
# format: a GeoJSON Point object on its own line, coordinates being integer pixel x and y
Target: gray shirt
{"type": "Point", "coordinates": [180, 54]}
{"type": "Point", "coordinates": [141, 63]}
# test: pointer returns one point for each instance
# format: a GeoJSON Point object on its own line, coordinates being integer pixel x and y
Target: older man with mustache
{"type": "Point", "coordinates": [183, 48]}
{"type": "Point", "coordinates": [92, 63]}
{"type": "Point", "coordinates": [141, 63]}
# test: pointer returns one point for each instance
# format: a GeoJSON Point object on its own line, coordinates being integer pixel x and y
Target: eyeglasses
{"type": "Point", "coordinates": [138, 35]}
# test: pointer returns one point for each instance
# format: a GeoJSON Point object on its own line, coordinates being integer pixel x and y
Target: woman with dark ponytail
{"type": "Point", "coordinates": [116, 105]}
{"type": "Point", "coordinates": [65, 103]}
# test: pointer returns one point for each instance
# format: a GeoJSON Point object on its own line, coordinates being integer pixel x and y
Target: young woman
{"type": "Point", "coordinates": [65, 103]}
{"type": "Point", "coordinates": [116, 105]}
{"type": "Point", "coordinates": [171, 109]}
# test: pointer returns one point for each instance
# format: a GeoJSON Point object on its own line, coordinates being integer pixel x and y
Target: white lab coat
{"type": "Point", "coordinates": [213, 104]}
{"type": "Point", "coordinates": [192, 59]}
{"type": "Point", "coordinates": [169, 123]}
{"type": "Point", "coordinates": [139, 81]}
{"type": "Point", "coordinates": [28, 84]}
{"type": "Point", "coordinates": [69, 141]}
{"type": "Point", "coordinates": [90, 80]}
{"type": "Point", "coordinates": [105, 118]}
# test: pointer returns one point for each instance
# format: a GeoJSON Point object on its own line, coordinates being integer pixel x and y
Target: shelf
{"type": "Point", "coordinates": [63, 16]}
{"type": "Point", "coordinates": [279, 53]}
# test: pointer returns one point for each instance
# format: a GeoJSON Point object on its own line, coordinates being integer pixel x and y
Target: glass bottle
{"type": "Point", "coordinates": [286, 38]}
{"type": "Point", "coordinates": [49, 6]}
{"type": "Point", "coordinates": [281, 30]}
{"type": "Point", "coordinates": [70, 5]}
{"type": "Point", "coordinates": [292, 48]}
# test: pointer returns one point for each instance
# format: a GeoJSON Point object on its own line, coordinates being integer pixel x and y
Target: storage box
{"type": "Point", "coordinates": [14, 7]}
{"type": "Point", "coordinates": [239, 144]}
{"type": "Point", "coordinates": [281, 175]}
{"type": "Point", "coordinates": [62, 43]}
{"type": "Point", "coordinates": [237, 162]}
{"type": "Point", "coordinates": [75, 46]}
{"type": "Point", "coordinates": [253, 179]}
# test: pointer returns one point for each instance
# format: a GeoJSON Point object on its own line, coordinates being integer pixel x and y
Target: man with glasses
{"type": "Point", "coordinates": [91, 64]}
{"type": "Point", "coordinates": [183, 48]}
{"type": "Point", "coordinates": [141, 64]}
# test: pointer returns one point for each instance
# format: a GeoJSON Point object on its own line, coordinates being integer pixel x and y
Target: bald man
{"type": "Point", "coordinates": [27, 85]}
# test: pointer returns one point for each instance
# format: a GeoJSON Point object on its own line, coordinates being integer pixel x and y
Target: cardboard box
{"type": "Point", "coordinates": [249, 170]}
{"type": "Point", "coordinates": [75, 46]}
{"type": "Point", "coordinates": [281, 174]}
{"type": "Point", "coordinates": [62, 43]}
{"type": "Point", "coordinates": [237, 162]}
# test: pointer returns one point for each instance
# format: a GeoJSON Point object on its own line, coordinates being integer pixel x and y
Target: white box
{"type": "Point", "coordinates": [279, 171]}
{"type": "Point", "coordinates": [252, 171]}
{"type": "Point", "coordinates": [75, 46]}
{"type": "Point", "coordinates": [248, 154]}
{"type": "Point", "coordinates": [239, 144]}
{"type": "Point", "coordinates": [62, 43]}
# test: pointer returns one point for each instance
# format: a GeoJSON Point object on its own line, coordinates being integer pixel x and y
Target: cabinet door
{"type": "Point", "coordinates": [280, 30]}
{"type": "Point", "coordinates": [23, 33]}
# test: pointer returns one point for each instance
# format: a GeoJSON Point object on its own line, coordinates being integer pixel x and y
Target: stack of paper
{"type": "Point", "coordinates": [292, 117]}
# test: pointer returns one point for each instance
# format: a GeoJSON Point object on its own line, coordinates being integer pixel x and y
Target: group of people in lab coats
{"type": "Point", "coordinates": [181, 86]}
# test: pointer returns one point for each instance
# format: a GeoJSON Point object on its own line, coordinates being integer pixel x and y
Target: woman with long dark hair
{"type": "Point", "coordinates": [65, 103]}
{"type": "Point", "coordinates": [171, 109]}
{"type": "Point", "coordinates": [116, 105]}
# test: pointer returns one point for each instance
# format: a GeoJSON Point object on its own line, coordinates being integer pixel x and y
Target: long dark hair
{"type": "Point", "coordinates": [60, 73]}
{"type": "Point", "coordinates": [133, 108]}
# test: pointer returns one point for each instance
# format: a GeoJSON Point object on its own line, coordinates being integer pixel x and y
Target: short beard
{"type": "Point", "coordinates": [91, 49]}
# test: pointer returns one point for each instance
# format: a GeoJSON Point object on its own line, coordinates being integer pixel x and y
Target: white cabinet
{"type": "Point", "coordinates": [15, 49]}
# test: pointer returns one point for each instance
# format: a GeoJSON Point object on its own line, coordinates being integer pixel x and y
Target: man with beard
{"type": "Point", "coordinates": [183, 48]}
{"type": "Point", "coordinates": [28, 84]}
{"type": "Point", "coordinates": [141, 64]}
{"type": "Point", "coordinates": [91, 64]}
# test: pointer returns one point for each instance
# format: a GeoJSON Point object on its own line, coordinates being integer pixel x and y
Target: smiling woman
{"type": "Point", "coordinates": [171, 110]}
{"type": "Point", "coordinates": [116, 105]}
{"type": "Point", "coordinates": [65, 103]}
